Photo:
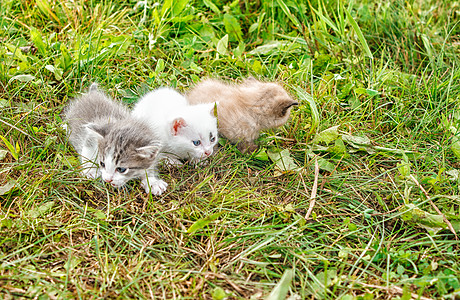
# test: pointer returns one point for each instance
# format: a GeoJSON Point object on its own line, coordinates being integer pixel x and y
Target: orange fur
{"type": "Point", "coordinates": [244, 109]}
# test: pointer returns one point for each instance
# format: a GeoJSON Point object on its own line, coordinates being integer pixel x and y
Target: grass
{"type": "Point", "coordinates": [387, 175]}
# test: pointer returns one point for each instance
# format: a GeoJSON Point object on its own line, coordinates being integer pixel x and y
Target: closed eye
{"type": "Point", "coordinates": [121, 170]}
{"type": "Point", "coordinates": [196, 143]}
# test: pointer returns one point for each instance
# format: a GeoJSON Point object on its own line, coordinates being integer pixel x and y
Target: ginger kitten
{"type": "Point", "coordinates": [111, 143]}
{"type": "Point", "coordinates": [244, 109]}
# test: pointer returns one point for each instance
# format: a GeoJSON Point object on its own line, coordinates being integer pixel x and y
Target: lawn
{"type": "Point", "coordinates": [356, 197]}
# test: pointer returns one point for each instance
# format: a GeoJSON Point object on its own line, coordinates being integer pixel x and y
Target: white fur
{"type": "Point", "coordinates": [178, 124]}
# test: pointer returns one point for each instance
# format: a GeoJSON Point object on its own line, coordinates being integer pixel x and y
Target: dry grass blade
{"type": "Point", "coordinates": [314, 190]}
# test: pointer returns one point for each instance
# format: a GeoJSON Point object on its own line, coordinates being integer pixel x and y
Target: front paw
{"type": "Point", "coordinates": [154, 186]}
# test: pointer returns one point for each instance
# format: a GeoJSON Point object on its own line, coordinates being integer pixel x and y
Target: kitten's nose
{"type": "Point", "coordinates": [108, 180]}
{"type": "Point", "coordinates": [207, 153]}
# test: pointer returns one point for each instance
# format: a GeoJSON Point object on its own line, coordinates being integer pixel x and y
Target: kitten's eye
{"type": "Point", "coordinates": [102, 164]}
{"type": "Point", "coordinates": [196, 143]}
{"type": "Point", "coordinates": [121, 170]}
{"type": "Point", "coordinates": [213, 139]}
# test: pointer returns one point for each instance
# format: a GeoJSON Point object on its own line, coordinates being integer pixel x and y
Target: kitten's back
{"type": "Point", "coordinates": [92, 107]}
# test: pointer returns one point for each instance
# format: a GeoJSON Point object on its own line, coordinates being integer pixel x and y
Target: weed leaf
{"type": "Point", "coordinates": [284, 163]}
{"type": "Point", "coordinates": [37, 39]}
{"type": "Point", "coordinates": [7, 187]}
{"type": "Point", "coordinates": [222, 45]}
{"type": "Point", "coordinates": [212, 6]}
{"type": "Point", "coordinates": [40, 210]}
{"type": "Point", "coordinates": [202, 223]}
{"type": "Point", "coordinates": [327, 136]}
{"type": "Point", "coordinates": [22, 78]}
{"type": "Point", "coordinates": [431, 222]}
{"type": "Point", "coordinates": [232, 27]}
{"type": "Point", "coordinates": [13, 150]}
{"type": "Point", "coordinates": [315, 116]}
{"type": "Point", "coordinates": [281, 289]}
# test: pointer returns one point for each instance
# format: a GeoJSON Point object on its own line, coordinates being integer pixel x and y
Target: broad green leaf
{"type": "Point", "coordinates": [360, 35]}
{"type": "Point", "coordinates": [7, 187]}
{"type": "Point", "coordinates": [455, 147]}
{"type": "Point", "coordinates": [232, 27]}
{"type": "Point", "coordinates": [281, 289]}
{"type": "Point", "coordinates": [219, 294]}
{"type": "Point", "coordinates": [283, 161]}
{"type": "Point", "coordinates": [22, 78]}
{"type": "Point", "coordinates": [372, 92]}
{"type": "Point", "coordinates": [431, 222]}
{"type": "Point", "coordinates": [37, 39]}
{"type": "Point", "coordinates": [201, 223]}
{"type": "Point", "coordinates": [315, 116]}
{"type": "Point", "coordinates": [261, 154]}
{"type": "Point", "coordinates": [269, 48]}
{"type": "Point", "coordinates": [338, 148]}
{"type": "Point", "coordinates": [17, 53]}
{"type": "Point", "coordinates": [40, 210]}
{"type": "Point", "coordinates": [160, 66]}
{"type": "Point", "coordinates": [167, 4]}
{"type": "Point", "coordinates": [178, 6]}
{"type": "Point", "coordinates": [327, 136]}
{"type": "Point", "coordinates": [13, 150]}
{"type": "Point", "coordinates": [66, 58]}
{"type": "Point", "coordinates": [99, 214]}
{"type": "Point", "coordinates": [325, 165]}
{"type": "Point", "coordinates": [222, 45]}
{"type": "Point", "coordinates": [56, 71]}
{"type": "Point", "coordinates": [257, 67]}
{"type": "Point", "coordinates": [212, 6]}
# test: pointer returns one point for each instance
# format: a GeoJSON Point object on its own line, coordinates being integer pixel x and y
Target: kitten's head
{"type": "Point", "coordinates": [273, 103]}
{"type": "Point", "coordinates": [125, 150]}
{"type": "Point", "coordinates": [194, 133]}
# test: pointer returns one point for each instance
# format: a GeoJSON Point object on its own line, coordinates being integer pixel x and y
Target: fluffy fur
{"type": "Point", "coordinates": [111, 143]}
{"type": "Point", "coordinates": [245, 109]}
{"type": "Point", "coordinates": [187, 132]}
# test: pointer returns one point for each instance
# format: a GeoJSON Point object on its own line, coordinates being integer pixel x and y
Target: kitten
{"type": "Point", "coordinates": [111, 143]}
{"type": "Point", "coordinates": [187, 132]}
{"type": "Point", "coordinates": [244, 109]}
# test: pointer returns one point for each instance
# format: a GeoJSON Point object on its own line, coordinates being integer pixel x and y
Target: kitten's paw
{"type": "Point", "coordinates": [154, 186]}
{"type": "Point", "coordinates": [172, 162]}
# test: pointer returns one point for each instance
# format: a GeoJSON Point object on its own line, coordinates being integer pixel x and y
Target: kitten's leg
{"type": "Point", "coordinates": [152, 184]}
{"type": "Point", "coordinates": [88, 159]}
{"type": "Point", "coordinates": [247, 146]}
{"type": "Point", "coordinates": [172, 161]}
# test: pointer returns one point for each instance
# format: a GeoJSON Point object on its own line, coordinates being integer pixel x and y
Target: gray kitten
{"type": "Point", "coordinates": [112, 144]}
{"type": "Point", "coordinates": [244, 109]}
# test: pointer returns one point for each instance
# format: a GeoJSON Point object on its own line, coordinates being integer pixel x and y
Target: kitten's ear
{"type": "Point", "coordinates": [96, 131]}
{"type": "Point", "coordinates": [177, 125]}
{"type": "Point", "coordinates": [148, 151]}
{"type": "Point", "coordinates": [283, 106]}
{"type": "Point", "coordinates": [213, 110]}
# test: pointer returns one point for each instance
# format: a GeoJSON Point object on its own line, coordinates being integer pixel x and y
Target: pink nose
{"type": "Point", "coordinates": [207, 153]}
{"type": "Point", "coordinates": [109, 180]}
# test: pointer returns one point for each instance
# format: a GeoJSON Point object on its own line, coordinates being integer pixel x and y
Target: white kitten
{"type": "Point", "coordinates": [187, 132]}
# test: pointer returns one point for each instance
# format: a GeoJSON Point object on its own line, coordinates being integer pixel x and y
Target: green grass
{"type": "Point", "coordinates": [232, 228]}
